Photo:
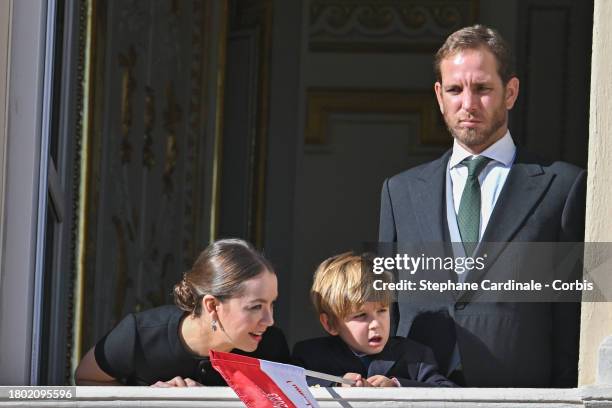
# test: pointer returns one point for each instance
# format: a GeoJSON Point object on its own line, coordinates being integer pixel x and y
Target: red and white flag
{"type": "Point", "coordinates": [264, 384]}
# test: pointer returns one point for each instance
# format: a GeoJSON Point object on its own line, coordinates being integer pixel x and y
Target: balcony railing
{"type": "Point", "coordinates": [592, 396]}
{"type": "Point", "coordinates": [599, 395]}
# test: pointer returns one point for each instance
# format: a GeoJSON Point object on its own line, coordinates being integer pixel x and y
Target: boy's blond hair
{"type": "Point", "coordinates": [343, 283]}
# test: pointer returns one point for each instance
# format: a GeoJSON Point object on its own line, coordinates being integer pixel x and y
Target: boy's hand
{"type": "Point", "coordinates": [381, 381]}
{"type": "Point", "coordinates": [359, 380]}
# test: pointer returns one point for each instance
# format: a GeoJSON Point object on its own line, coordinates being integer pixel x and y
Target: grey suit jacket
{"type": "Point", "coordinates": [504, 344]}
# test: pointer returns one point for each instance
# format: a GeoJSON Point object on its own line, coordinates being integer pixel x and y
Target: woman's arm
{"type": "Point", "coordinates": [89, 372]}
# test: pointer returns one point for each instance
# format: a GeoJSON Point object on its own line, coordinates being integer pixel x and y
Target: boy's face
{"type": "Point", "coordinates": [366, 330]}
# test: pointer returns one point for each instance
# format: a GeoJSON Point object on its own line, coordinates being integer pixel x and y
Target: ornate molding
{"type": "Point", "coordinates": [75, 301]}
{"type": "Point", "coordinates": [128, 85]}
{"type": "Point", "coordinates": [323, 102]}
{"type": "Point", "coordinates": [386, 25]}
{"type": "Point", "coordinates": [141, 217]}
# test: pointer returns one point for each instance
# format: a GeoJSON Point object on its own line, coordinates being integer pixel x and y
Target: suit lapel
{"type": "Point", "coordinates": [345, 358]}
{"type": "Point", "coordinates": [380, 367]}
{"type": "Point", "coordinates": [383, 361]}
{"type": "Point", "coordinates": [380, 363]}
{"type": "Point", "coordinates": [523, 189]}
{"type": "Point", "coordinates": [526, 184]}
{"type": "Point", "coordinates": [428, 200]}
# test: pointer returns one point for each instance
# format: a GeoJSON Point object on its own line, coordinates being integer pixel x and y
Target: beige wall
{"type": "Point", "coordinates": [597, 317]}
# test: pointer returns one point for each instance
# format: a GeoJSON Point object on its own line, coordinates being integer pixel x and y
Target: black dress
{"type": "Point", "coordinates": [145, 348]}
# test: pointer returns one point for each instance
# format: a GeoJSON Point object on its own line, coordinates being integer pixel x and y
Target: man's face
{"type": "Point", "coordinates": [473, 99]}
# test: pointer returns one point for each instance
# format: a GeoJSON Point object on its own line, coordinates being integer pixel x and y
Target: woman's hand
{"type": "Point", "coordinates": [357, 378]}
{"type": "Point", "coordinates": [381, 381]}
{"type": "Point", "coordinates": [177, 382]}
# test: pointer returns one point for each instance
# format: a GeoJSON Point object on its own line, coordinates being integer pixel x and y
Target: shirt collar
{"type": "Point", "coordinates": [501, 151]}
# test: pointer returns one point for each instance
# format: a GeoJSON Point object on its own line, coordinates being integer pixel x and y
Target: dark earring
{"type": "Point", "coordinates": [213, 325]}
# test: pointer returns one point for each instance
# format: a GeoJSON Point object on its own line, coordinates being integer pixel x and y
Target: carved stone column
{"type": "Point", "coordinates": [596, 317]}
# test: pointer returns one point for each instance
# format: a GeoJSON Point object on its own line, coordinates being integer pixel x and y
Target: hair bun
{"type": "Point", "coordinates": [184, 297]}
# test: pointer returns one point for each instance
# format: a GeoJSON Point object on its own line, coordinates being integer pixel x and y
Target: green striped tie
{"type": "Point", "coordinates": [468, 216]}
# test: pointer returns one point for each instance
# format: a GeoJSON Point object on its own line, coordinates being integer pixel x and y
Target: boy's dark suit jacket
{"type": "Point", "coordinates": [411, 363]}
{"type": "Point", "coordinates": [520, 344]}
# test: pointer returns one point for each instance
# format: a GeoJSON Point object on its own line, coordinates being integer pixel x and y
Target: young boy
{"type": "Point", "coordinates": [357, 318]}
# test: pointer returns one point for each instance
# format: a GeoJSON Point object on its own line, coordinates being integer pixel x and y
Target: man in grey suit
{"type": "Point", "coordinates": [487, 190]}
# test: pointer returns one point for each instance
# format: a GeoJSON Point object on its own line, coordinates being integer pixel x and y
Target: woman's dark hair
{"type": "Point", "coordinates": [220, 271]}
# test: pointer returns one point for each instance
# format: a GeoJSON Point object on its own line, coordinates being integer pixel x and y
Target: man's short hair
{"type": "Point", "coordinates": [344, 283]}
{"type": "Point", "coordinates": [476, 36]}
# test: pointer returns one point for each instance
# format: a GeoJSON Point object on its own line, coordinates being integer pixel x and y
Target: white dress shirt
{"type": "Point", "coordinates": [491, 178]}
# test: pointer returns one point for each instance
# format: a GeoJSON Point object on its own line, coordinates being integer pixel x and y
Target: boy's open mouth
{"type": "Point", "coordinates": [375, 340]}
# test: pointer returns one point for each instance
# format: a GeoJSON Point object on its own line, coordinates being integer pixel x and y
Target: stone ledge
{"type": "Point", "coordinates": [592, 396]}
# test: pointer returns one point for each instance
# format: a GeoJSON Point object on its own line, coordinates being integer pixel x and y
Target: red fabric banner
{"type": "Point", "coordinates": [264, 384]}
